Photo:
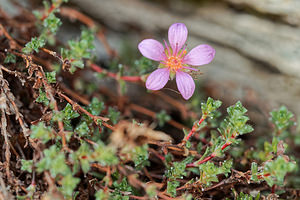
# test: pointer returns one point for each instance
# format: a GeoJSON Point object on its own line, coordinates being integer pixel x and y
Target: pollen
{"type": "Point", "coordinates": [174, 63]}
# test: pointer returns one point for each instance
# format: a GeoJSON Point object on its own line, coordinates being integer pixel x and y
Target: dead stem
{"type": "Point", "coordinates": [13, 149]}
{"type": "Point", "coordinates": [177, 104]}
{"type": "Point", "coordinates": [75, 95]}
{"type": "Point", "coordinates": [78, 108]}
{"type": "Point", "coordinates": [19, 117]}
{"type": "Point", "coordinates": [21, 77]}
{"type": "Point", "coordinates": [12, 105]}
{"type": "Point", "coordinates": [41, 77]}
{"type": "Point", "coordinates": [49, 93]}
{"type": "Point", "coordinates": [152, 114]}
{"type": "Point", "coordinates": [165, 197]}
{"type": "Point", "coordinates": [6, 146]}
{"type": "Point", "coordinates": [50, 181]}
{"type": "Point", "coordinates": [12, 43]}
{"type": "Point", "coordinates": [4, 193]}
{"type": "Point", "coordinates": [180, 150]}
{"type": "Point", "coordinates": [5, 108]}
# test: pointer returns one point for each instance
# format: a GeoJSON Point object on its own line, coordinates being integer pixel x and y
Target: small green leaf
{"type": "Point", "coordinates": [144, 65]}
{"type": "Point", "coordinates": [96, 107]}
{"type": "Point", "coordinates": [10, 58]}
{"type": "Point", "coordinates": [42, 98]}
{"type": "Point", "coordinates": [188, 144]}
{"type": "Point", "coordinates": [243, 196]}
{"type": "Point", "coordinates": [82, 129]}
{"type": "Point", "coordinates": [68, 184]}
{"type": "Point", "coordinates": [79, 49]}
{"type": "Point", "coordinates": [54, 161]}
{"type": "Point", "coordinates": [105, 155]}
{"type": "Point", "coordinates": [83, 155]}
{"type": "Point", "coordinates": [254, 171]}
{"type": "Point", "coordinates": [101, 195]}
{"type": "Point", "coordinates": [281, 118]}
{"type": "Point", "coordinates": [235, 123]}
{"type": "Point", "coordinates": [69, 113]}
{"type": "Point", "coordinates": [113, 115]}
{"type": "Point", "coordinates": [278, 169]}
{"type": "Point", "coordinates": [51, 77]}
{"type": "Point", "coordinates": [41, 132]}
{"type": "Point", "coordinates": [34, 45]}
{"type": "Point", "coordinates": [162, 118]}
{"type": "Point", "coordinates": [171, 187]}
{"type": "Point", "coordinates": [275, 142]}
{"type": "Point", "coordinates": [123, 185]}
{"type": "Point", "coordinates": [140, 156]}
{"type": "Point", "coordinates": [52, 23]}
{"type": "Point", "coordinates": [27, 165]}
{"type": "Point", "coordinates": [151, 190]}
{"type": "Point", "coordinates": [210, 106]}
{"type": "Point", "coordinates": [209, 172]}
{"type": "Point", "coordinates": [177, 170]}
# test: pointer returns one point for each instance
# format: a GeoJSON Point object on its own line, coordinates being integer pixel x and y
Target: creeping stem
{"type": "Point", "coordinates": [224, 146]}
{"type": "Point", "coordinates": [115, 76]}
{"type": "Point", "coordinates": [194, 128]}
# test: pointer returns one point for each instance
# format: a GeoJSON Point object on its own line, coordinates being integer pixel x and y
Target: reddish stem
{"type": "Point", "coordinates": [208, 157]}
{"type": "Point", "coordinates": [48, 12]}
{"type": "Point", "coordinates": [113, 75]}
{"type": "Point", "coordinates": [264, 175]}
{"type": "Point", "coordinates": [131, 78]}
{"type": "Point", "coordinates": [226, 145]}
{"type": "Point", "coordinates": [157, 154]}
{"type": "Point", "coordinates": [273, 189]}
{"type": "Point", "coordinates": [194, 129]}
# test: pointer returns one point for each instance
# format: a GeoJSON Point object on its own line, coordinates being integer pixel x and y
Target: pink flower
{"type": "Point", "coordinates": [174, 60]}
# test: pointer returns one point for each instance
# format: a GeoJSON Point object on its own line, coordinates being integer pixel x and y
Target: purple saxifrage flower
{"type": "Point", "coordinates": [174, 60]}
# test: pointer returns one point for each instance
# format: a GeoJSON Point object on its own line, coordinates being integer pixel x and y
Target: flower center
{"type": "Point", "coordinates": [174, 63]}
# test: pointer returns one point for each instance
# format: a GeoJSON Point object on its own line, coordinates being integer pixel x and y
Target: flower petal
{"type": "Point", "coordinates": [185, 84]}
{"type": "Point", "coordinates": [152, 49]}
{"type": "Point", "coordinates": [200, 55]}
{"type": "Point", "coordinates": [177, 36]}
{"type": "Point", "coordinates": [158, 79]}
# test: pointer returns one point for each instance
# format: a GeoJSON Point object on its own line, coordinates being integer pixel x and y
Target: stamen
{"type": "Point", "coordinates": [183, 52]}
{"type": "Point", "coordinates": [190, 68]}
{"type": "Point", "coordinates": [168, 49]}
{"type": "Point", "coordinates": [164, 62]}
